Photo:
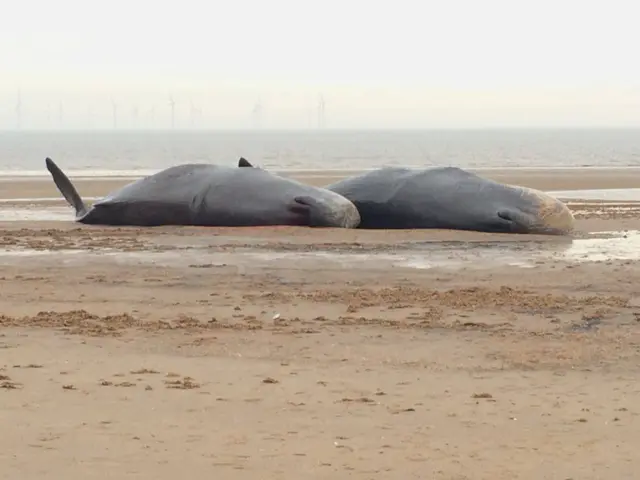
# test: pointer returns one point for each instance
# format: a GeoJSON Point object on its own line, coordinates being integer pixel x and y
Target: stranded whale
{"type": "Point", "coordinates": [451, 198]}
{"type": "Point", "coordinates": [212, 195]}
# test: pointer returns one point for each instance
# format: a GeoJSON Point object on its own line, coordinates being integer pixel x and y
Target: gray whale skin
{"type": "Point", "coordinates": [451, 198]}
{"type": "Point", "coordinates": [212, 195]}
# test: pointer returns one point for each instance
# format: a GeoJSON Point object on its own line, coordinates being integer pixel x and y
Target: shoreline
{"type": "Point", "coordinates": [88, 174]}
{"type": "Point", "coordinates": [556, 180]}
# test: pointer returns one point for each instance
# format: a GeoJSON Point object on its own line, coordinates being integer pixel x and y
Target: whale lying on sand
{"type": "Point", "coordinates": [451, 198]}
{"type": "Point", "coordinates": [212, 195]}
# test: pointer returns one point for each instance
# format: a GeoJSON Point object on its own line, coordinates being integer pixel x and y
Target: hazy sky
{"type": "Point", "coordinates": [379, 63]}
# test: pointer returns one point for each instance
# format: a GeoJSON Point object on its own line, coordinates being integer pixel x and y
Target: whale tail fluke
{"type": "Point", "coordinates": [66, 188]}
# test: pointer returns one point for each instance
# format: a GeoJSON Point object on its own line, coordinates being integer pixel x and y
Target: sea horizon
{"type": "Point", "coordinates": [136, 152]}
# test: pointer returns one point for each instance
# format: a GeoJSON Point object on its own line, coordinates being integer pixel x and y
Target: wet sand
{"type": "Point", "coordinates": [545, 179]}
{"type": "Point", "coordinates": [287, 353]}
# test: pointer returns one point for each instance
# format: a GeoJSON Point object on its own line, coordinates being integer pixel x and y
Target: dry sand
{"type": "Point", "coordinates": [246, 353]}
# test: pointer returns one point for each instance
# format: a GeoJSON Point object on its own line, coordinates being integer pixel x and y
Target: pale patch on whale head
{"type": "Point", "coordinates": [552, 214]}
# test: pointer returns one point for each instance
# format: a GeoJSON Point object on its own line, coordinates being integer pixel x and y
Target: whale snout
{"type": "Point", "coordinates": [348, 216]}
{"type": "Point", "coordinates": [330, 210]}
{"type": "Point", "coordinates": [553, 216]}
{"type": "Point", "coordinates": [341, 212]}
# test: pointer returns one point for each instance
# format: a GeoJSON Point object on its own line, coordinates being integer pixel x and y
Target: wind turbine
{"type": "Point", "coordinates": [309, 112]}
{"type": "Point", "coordinates": [192, 113]}
{"type": "Point", "coordinates": [195, 114]}
{"type": "Point", "coordinates": [199, 116]}
{"type": "Point", "coordinates": [19, 110]}
{"type": "Point", "coordinates": [172, 104]}
{"type": "Point", "coordinates": [321, 115]}
{"type": "Point", "coordinates": [114, 107]}
{"type": "Point", "coordinates": [257, 114]}
{"type": "Point", "coordinates": [134, 113]}
{"type": "Point", "coordinates": [152, 113]}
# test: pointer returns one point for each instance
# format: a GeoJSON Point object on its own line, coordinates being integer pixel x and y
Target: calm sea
{"type": "Point", "coordinates": [144, 152]}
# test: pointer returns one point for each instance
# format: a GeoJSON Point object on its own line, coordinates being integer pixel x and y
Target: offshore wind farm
{"type": "Point", "coordinates": [175, 113]}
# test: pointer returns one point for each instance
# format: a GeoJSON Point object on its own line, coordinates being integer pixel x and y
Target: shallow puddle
{"type": "Point", "coordinates": [603, 246]}
{"type": "Point", "coordinates": [21, 214]}
{"type": "Point", "coordinates": [620, 246]}
{"type": "Point", "coordinates": [613, 194]}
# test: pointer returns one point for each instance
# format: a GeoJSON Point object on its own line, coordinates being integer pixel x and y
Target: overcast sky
{"type": "Point", "coordinates": [378, 63]}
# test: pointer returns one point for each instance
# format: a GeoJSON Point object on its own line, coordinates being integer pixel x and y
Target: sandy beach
{"type": "Point", "coordinates": [294, 353]}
